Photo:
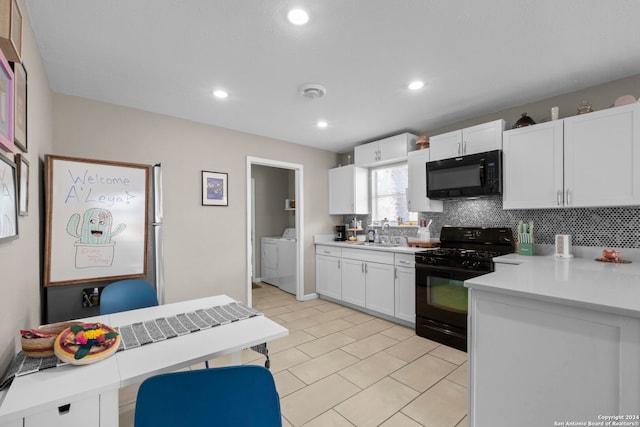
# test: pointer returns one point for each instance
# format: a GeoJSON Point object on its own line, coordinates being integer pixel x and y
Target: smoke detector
{"type": "Point", "coordinates": [313, 91]}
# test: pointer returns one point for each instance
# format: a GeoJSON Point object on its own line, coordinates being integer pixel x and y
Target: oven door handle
{"type": "Point", "coordinates": [449, 270]}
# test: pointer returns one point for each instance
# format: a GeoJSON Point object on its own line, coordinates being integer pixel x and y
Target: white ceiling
{"type": "Point", "coordinates": [476, 57]}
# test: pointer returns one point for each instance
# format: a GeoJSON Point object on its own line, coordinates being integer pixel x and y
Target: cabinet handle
{"type": "Point", "coordinates": [327, 252]}
{"type": "Point", "coordinates": [568, 197]}
{"type": "Point", "coordinates": [362, 267]}
{"type": "Point", "coordinates": [366, 268]}
{"type": "Point", "coordinates": [339, 261]}
{"type": "Point", "coordinates": [395, 273]}
{"type": "Point", "coordinates": [404, 262]}
{"type": "Point", "coordinates": [559, 197]}
{"type": "Point", "coordinates": [464, 147]}
{"type": "Point", "coordinates": [459, 148]}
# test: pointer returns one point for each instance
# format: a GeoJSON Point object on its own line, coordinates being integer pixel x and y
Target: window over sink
{"type": "Point", "coordinates": [389, 193]}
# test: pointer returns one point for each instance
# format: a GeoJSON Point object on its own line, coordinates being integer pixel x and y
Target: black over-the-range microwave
{"type": "Point", "coordinates": [474, 175]}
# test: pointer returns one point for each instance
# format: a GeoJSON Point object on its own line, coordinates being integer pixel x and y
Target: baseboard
{"type": "Point", "coordinates": [308, 297]}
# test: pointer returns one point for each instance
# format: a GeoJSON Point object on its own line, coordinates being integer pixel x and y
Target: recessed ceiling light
{"type": "Point", "coordinates": [322, 124]}
{"type": "Point", "coordinates": [219, 93]}
{"type": "Point", "coordinates": [298, 17]}
{"type": "Point", "coordinates": [415, 85]}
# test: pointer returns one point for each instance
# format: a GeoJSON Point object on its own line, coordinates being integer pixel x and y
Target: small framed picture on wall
{"type": "Point", "coordinates": [214, 189]}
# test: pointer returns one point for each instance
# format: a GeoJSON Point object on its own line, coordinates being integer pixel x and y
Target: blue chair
{"type": "Point", "coordinates": [230, 396]}
{"type": "Point", "coordinates": [127, 295]}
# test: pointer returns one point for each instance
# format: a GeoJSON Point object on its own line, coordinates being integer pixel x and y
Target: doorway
{"type": "Point", "coordinates": [297, 204]}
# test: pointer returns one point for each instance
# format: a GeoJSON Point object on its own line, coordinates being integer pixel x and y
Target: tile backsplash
{"type": "Point", "coordinates": [600, 227]}
{"type": "Point", "coordinates": [615, 227]}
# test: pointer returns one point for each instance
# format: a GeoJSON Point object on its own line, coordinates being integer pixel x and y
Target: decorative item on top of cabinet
{"type": "Point", "coordinates": [11, 30]}
{"type": "Point", "coordinates": [384, 151]}
{"type": "Point", "coordinates": [471, 140]}
{"type": "Point", "coordinates": [422, 142]}
{"type": "Point", "coordinates": [523, 121]}
{"type": "Point", "coordinates": [584, 107]}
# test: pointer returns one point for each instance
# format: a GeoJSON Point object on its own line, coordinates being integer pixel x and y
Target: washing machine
{"type": "Point", "coordinates": [278, 261]}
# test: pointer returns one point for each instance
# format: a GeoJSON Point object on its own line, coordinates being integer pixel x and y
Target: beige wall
{"type": "Point", "coordinates": [20, 262]}
{"type": "Point", "coordinates": [205, 247]}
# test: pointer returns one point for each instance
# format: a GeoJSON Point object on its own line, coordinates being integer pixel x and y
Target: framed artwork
{"type": "Point", "coordinates": [215, 189]}
{"type": "Point", "coordinates": [97, 220]}
{"type": "Point", "coordinates": [8, 201]}
{"type": "Point", "coordinates": [23, 184]}
{"type": "Point", "coordinates": [11, 30]}
{"type": "Point", "coordinates": [20, 105]}
{"type": "Point", "coordinates": [6, 105]}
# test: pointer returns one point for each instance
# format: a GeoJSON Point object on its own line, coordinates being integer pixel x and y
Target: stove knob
{"type": "Point", "coordinates": [466, 264]}
{"type": "Point", "coordinates": [475, 265]}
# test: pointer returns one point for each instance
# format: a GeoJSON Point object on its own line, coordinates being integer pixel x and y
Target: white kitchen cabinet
{"type": "Point", "coordinates": [15, 423]}
{"type": "Point", "coordinates": [471, 140]}
{"type": "Point", "coordinates": [328, 271]}
{"type": "Point", "coordinates": [417, 200]}
{"type": "Point", "coordinates": [602, 158]}
{"type": "Point", "coordinates": [348, 190]}
{"type": "Point", "coordinates": [538, 363]}
{"type": "Point", "coordinates": [405, 287]}
{"type": "Point", "coordinates": [590, 160]}
{"type": "Point", "coordinates": [532, 162]}
{"type": "Point", "coordinates": [380, 288]}
{"type": "Point", "coordinates": [388, 150]}
{"type": "Point", "coordinates": [367, 279]}
{"type": "Point", "coordinates": [354, 280]}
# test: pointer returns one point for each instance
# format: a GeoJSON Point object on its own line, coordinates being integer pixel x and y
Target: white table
{"type": "Point", "coordinates": [92, 390]}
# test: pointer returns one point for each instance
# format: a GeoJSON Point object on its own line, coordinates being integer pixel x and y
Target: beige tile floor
{"type": "Point", "coordinates": [340, 367]}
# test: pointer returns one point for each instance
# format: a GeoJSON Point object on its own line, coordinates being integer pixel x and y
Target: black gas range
{"type": "Point", "coordinates": [441, 298]}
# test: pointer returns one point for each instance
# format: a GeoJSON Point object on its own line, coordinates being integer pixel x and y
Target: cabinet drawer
{"type": "Point", "coordinates": [405, 260]}
{"type": "Point", "coordinates": [368, 255]}
{"type": "Point", "coordinates": [85, 412]}
{"type": "Point", "coordinates": [328, 250]}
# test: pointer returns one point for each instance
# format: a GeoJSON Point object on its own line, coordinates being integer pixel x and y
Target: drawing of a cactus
{"type": "Point", "coordinates": [95, 227]}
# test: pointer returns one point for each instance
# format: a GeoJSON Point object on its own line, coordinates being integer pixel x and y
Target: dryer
{"type": "Point", "coordinates": [278, 261]}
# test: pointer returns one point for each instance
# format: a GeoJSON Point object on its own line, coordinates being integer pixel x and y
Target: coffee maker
{"type": "Point", "coordinates": [341, 233]}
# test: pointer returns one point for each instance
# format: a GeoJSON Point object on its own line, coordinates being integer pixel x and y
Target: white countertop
{"type": "Point", "coordinates": [361, 245]}
{"type": "Point", "coordinates": [582, 282]}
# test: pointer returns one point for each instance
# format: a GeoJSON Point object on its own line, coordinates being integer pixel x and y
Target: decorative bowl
{"type": "Point", "coordinates": [611, 254]}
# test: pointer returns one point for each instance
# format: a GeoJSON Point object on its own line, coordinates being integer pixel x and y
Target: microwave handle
{"type": "Point", "coordinates": [482, 177]}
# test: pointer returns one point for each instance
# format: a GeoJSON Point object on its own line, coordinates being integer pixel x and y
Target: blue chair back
{"type": "Point", "coordinates": [127, 295]}
{"type": "Point", "coordinates": [229, 396]}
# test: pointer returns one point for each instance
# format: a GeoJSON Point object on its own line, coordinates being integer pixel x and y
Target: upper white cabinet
{"type": "Point", "coordinates": [417, 200]}
{"type": "Point", "coordinates": [532, 167]}
{"type": "Point", "coordinates": [602, 158]}
{"type": "Point", "coordinates": [590, 160]}
{"type": "Point", "coordinates": [348, 190]}
{"type": "Point", "coordinates": [471, 140]}
{"type": "Point", "coordinates": [387, 150]}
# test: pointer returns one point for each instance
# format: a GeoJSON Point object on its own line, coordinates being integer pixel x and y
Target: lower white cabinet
{"type": "Point", "coordinates": [380, 281]}
{"type": "Point", "coordinates": [380, 295]}
{"type": "Point", "coordinates": [538, 363]}
{"type": "Point", "coordinates": [405, 287]}
{"type": "Point", "coordinates": [354, 280]}
{"type": "Point", "coordinates": [329, 271]}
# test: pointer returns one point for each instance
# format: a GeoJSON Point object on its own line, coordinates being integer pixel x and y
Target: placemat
{"type": "Point", "coordinates": [148, 332]}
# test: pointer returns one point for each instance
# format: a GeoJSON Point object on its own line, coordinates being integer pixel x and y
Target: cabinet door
{"type": "Point", "coordinates": [16, 423]}
{"type": "Point", "coordinates": [445, 146]}
{"type": "Point", "coordinates": [394, 148]}
{"type": "Point", "coordinates": [483, 137]}
{"type": "Point", "coordinates": [380, 294]}
{"type": "Point", "coordinates": [417, 200]}
{"type": "Point", "coordinates": [353, 281]}
{"type": "Point", "coordinates": [405, 294]}
{"type": "Point", "coordinates": [366, 154]}
{"type": "Point", "coordinates": [328, 277]}
{"type": "Point", "coordinates": [602, 158]}
{"type": "Point", "coordinates": [348, 191]}
{"type": "Point", "coordinates": [533, 167]}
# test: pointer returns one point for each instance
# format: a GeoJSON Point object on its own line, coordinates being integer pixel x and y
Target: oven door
{"type": "Point", "coordinates": [441, 295]}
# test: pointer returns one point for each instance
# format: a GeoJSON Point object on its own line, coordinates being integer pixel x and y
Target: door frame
{"type": "Point", "coordinates": [298, 169]}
